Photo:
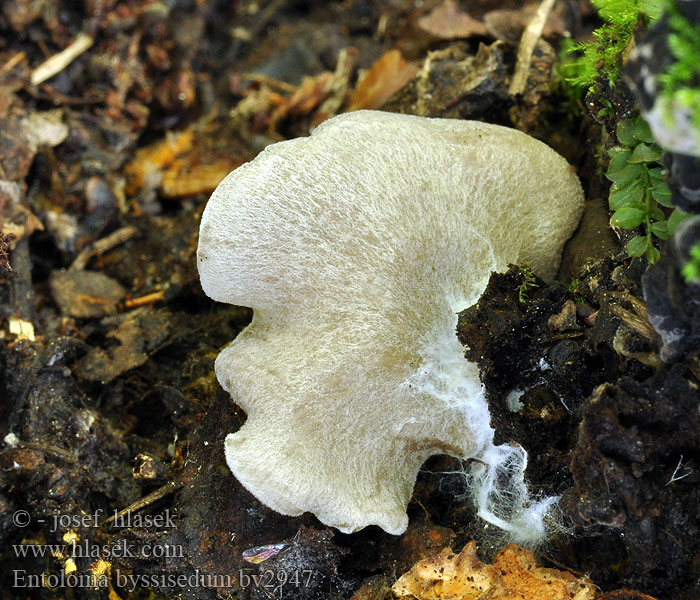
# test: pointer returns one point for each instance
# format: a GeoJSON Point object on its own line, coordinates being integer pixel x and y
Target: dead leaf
{"type": "Point", "coordinates": [514, 574]}
{"type": "Point", "coordinates": [386, 76]}
{"type": "Point", "coordinates": [521, 577]}
{"type": "Point", "coordinates": [565, 320]}
{"type": "Point", "coordinates": [198, 179]}
{"type": "Point", "coordinates": [139, 334]}
{"type": "Point", "coordinates": [172, 166]}
{"type": "Point", "coordinates": [150, 160]}
{"type": "Point", "coordinates": [310, 94]}
{"type": "Point", "coordinates": [447, 22]}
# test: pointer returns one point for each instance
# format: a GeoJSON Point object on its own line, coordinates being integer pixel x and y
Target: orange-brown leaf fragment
{"type": "Point", "coordinates": [387, 75]}
{"type": "Point", "coordinates": [196, 179]}
{"type": "Point", "coordinates": [149, 161]}
{"type": "Point", "coordinates": [174, 166]}
{"type": "Point", "coordinates": [513, 575]}
{"type": "Point", "coordinates": [447, 22]}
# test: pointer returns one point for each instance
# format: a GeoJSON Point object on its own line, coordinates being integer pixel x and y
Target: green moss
{"type": "Point", "coordinates": [529, 281]}
{"type": "Point", "coordinates": [602, 57]}
{"type": "Point", "coordinates": [574, 287]}
{"type": "Point", "coordinates": [691, 269]}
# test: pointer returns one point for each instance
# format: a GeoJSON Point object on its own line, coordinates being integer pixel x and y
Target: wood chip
{"type": "Point", "coordinates": [23, 330]}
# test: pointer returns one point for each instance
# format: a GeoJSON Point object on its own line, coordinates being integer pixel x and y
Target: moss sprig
{"type": "Point", "coordinates": [529, 281]}
{"type": "Point", "coordinates": [602, 57]}
{"type": "Point", "coordinates": [691, 269]}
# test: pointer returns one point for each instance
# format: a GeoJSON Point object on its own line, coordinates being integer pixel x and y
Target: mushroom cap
{"type": "Point", "coordinates": [356, 247]}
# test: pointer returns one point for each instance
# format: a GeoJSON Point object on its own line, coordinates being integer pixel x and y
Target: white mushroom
{"type": "Point", "coordinates": [356, 247]}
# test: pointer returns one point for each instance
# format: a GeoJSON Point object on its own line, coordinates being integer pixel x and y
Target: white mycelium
{"type": "Point", "coordinates": [356, 247]}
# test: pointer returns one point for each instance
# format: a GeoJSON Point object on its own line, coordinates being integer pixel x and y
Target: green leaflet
{"type": "Point", "coordinates": [639, 191]}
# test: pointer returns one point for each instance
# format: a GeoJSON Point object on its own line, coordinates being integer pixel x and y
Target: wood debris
{"type": "Point", "coordinates": [5, 268]}
{"type": "Point", "coordinates": [269, 103]}
{"type": "Point", "coordinates": [200, 87]}
{"type": "Point", "coordinates": [454, 84]}
{"type": "Point", "coordinates": [23, 330]}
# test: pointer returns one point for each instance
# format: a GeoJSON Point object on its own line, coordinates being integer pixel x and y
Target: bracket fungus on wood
{"type": "Point", "coordinates": [356, 247]}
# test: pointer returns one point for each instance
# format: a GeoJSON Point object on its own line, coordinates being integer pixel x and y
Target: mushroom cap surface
{"type": "Point", "coordinates": [356, 247]}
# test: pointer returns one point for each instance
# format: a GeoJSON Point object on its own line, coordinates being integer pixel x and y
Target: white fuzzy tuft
{"type": "Point", "coordinates": [503, 498]}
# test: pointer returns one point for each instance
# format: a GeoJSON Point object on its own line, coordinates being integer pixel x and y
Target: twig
{"type": "Point", "coordinates": [161, 492]}
{"type": "Point", "coordinates": [693, 364]}
{"type": "Point", "coordinates": [147, 299]}
{"type": "Point", "coordinates": [58, 62]}
{"type": "Point", "coordinates": [675, 471]}
{"type": "Point", "coordinates": [17, 58]}
{"type": "Point", "coordinates": [624, 594]}
{"type": "Point", "coordinates": [50, 449]}
{"type": "Point", "coordinates": [270, 81]}
{"type": "Point", "coordinates": [12, 442]}
{"type": "Point", "coordinates": [531, 35]}
{"type": "Point", "coordinates": [21, 289]}
{"type": "Point", "coordinates": [422, 84]}
{"type": "Point", "coordinates": [51, 94]}
{"type": "Point", "coordinates": [101, 246]}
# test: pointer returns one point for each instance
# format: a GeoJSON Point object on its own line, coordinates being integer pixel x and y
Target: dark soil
{"type": "Point", "coordinates": [108, 396]}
